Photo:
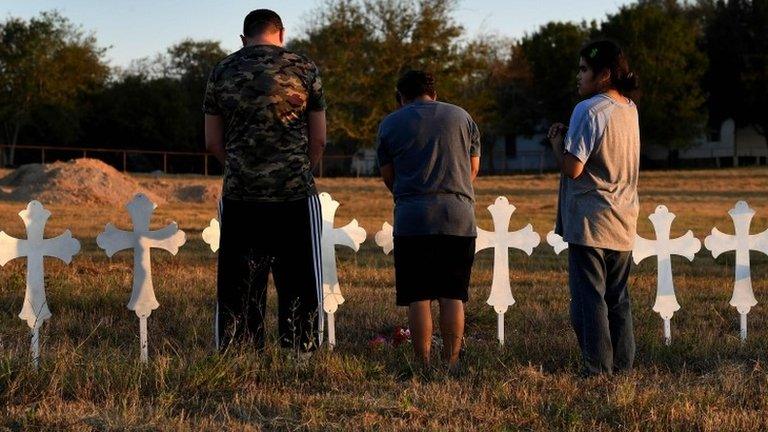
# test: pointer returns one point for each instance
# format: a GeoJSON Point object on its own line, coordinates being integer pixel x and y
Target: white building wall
{"type": "Point", "coordinates": [749, 144]}
{"type": "Point", "coordinates": [530, 155]}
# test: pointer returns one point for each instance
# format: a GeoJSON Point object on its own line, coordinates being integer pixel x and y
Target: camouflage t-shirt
{"type": "Point", "coordinates": [264, 94]}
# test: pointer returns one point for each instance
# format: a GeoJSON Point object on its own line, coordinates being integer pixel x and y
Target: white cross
{"type": "Point", "coordinates": [664, 247]}
{"type": "Point", "coordinates": [351, 235]}
{"type": "Point", "coordinates": [141, 240]}
{"type": "Point", "coordinates": [557, 242]}
{"type": "Point", "coordinates": [742, 242]}
{"type": "Point", "coordinates": [501, 240]}
{"type": "Point", "coordinates": [384, 238]}
{"type": "Point", "coordinates": [35, 248]}
{"type": "Point", "coordinates": [212, 234]}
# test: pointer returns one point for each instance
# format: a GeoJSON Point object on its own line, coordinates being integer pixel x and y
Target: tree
{"type": "Point", "coordinates": [532, 81]}
{"type": "Point", "coordinates": [724, 43]}
{"type": "Point", "coordinates": [189, 63]}
{"type": "Point", "coordinates": [736, 43]}
{"type": "Point", "coordinates": [552, 57]}
{"type": "Point", "coordinates": [756, 74]}
{"type": "Point", "coordinates": [192, 61]}
{"type": "Point", "coordinates": [660, 38]}
{"type": "Point", "coordinates": [361, 48]}
{"type": "Point", "coordinates": [44, 62]}
{"type": "Point", "coordinates": [137, 112]}
{"type": "Point", "coordinates": [157, 102]}
{"type": "Point", "coordinates": [482, 66]}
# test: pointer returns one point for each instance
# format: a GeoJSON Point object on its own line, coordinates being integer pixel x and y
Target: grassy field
{"type": "Point", "coordinates": [90, 377]}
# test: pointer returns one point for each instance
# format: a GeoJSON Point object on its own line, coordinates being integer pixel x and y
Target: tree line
{"type": "Point", "coordinates": [699, 64]}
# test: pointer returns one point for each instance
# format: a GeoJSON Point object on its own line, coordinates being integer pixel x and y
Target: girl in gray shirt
{"type": "Point", "coordinates": [599, 154]}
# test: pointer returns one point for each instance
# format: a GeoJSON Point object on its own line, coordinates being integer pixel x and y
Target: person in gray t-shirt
{"type": "Point", "coordinates": [599, 154]}
{"type": "Point", "coordinates": [429, 154]}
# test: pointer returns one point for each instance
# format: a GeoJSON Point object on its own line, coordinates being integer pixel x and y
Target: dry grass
{"type": "Point", "coordinates": [90, 378]}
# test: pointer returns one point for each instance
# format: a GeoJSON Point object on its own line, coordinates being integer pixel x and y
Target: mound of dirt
{"type": "Point", "coordinates": [79, 181]}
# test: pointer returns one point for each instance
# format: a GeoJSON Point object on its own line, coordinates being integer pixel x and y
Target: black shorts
{"type": "Point", "coordinates": [429, 267]}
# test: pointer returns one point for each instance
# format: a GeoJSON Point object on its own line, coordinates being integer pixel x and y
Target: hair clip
{"type": "Point", "coordinates": [593, 53]}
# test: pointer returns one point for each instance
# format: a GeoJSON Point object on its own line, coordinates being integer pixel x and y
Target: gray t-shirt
{"type": "Point", "coordinates": [600, 207]}
{"type": "Point", "coordinates": [430, 145]}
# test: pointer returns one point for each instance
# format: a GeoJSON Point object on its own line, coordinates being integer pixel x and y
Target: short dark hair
{"type": "Point", "coordinates": [415, 83]}
{"type": "Point", "coordinates": [261, 21]}
{"type": "Point", "coordinates": [605, 54]}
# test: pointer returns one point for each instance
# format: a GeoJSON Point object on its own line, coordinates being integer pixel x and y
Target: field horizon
{"type": "Point", "coordinates": [90, 377]}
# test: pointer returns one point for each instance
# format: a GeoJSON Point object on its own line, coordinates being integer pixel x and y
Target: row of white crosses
{"type": "Point", "coordinates": [663, 247]}
{"type": "Point", "coordinates": [35, 309]}
{"type": "Point", "coordinates": [742, 242]}
{"type": "Point", "coordinates": [141, 240]}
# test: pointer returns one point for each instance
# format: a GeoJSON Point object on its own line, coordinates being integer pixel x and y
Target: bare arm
{"type": "Point", "coordinates": [474, 162]}
{"type": "Point", "coordinates": [388, 175]}
{"type": "Point", "coordinates": [214, 136]}
{"type": "Point", "coordinates": [316, 126]}
{"type": "Point", "coordinates": [572, 166]}
{"type": "Point", "coordinates": [569, 164]}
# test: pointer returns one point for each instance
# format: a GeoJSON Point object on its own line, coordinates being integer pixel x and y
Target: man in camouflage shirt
{"type": "Point", "coordinates": [265, 122]}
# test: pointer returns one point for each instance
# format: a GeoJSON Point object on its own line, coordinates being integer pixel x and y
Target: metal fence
{"type": "Point", "coordinates": [177, 162]}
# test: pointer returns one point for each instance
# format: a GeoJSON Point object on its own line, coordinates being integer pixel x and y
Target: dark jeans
{"type": "Point", "coordinates": [601, 311]}
{"type": "Point", "coordinates": [259, 237]}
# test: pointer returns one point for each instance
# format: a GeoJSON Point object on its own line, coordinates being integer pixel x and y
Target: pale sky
{"type": "Point", "coordinates": [142, 28]}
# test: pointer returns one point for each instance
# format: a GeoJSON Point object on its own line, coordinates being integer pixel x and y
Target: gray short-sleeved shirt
{"type": "Point", "coordinates": [600, 207]}
{"type": "Point", "coordinates": [430, 144]}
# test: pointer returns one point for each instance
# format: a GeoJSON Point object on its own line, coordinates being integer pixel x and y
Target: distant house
{"type": "Point", "coordinates": [517, 153]}
{"type": "Point", "coordinates": [520, 153]}
{"type": "Point", "coordinates": [363, 163]}
{"type": "Point", "coordinates": [717, 149]}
